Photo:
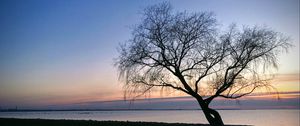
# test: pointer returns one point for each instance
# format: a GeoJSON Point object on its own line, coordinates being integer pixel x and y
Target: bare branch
{"type": "Point", "coordinates": [183, 51]}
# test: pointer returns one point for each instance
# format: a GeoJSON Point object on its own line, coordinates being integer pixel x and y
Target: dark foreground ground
{"type": "Point", "coordinates": [46, 122]}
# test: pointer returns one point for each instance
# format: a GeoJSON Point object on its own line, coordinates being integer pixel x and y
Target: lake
{"type": "Point", "coordinates": [276, 117]}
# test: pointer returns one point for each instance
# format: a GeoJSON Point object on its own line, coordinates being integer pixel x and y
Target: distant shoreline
{"type": "Point", "coordinates": [46, 110]}
{"type": "Point", "coordinates": [48, 122]}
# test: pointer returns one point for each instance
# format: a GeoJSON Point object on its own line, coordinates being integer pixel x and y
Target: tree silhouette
{"type": "Point", "coordinates": [186, 52]}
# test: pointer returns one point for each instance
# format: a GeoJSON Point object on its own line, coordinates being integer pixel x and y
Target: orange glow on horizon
{"type": "Point", "coordinates": [283, 83]}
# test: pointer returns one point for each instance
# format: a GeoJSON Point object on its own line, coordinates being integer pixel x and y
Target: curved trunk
{"type": "Point", "coordinates": [212, 116]}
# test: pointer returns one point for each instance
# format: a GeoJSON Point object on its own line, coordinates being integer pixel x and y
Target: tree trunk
{"type": "Point", "coordinates": [212, 116]}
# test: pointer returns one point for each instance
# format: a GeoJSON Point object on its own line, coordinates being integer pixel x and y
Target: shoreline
{"type": "Point", "coordinates": [64, 122]}
{"type": "Point", "coordinates": [45, 110]}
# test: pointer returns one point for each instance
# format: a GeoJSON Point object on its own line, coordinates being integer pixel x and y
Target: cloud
{"type": "Point", "coordinates": [287, 77]}
{"type": "Point", "coordinates": [287, 100]}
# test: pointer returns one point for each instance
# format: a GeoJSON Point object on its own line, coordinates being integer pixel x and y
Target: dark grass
{"type": "Point", "coordinates": [48, 122]}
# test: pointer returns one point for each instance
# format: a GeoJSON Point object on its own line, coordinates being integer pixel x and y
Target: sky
{"type": "Point", "coordinates": [55, 52]}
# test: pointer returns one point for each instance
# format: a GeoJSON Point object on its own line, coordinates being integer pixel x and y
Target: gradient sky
{"type": "Point", "coordinates": [62, 51]}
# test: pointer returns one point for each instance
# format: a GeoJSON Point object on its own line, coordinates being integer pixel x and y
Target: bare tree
{"type": "Point", "coordinates": [185, 52]}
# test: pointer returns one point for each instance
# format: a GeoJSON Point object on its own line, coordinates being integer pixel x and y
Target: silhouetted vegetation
{"type": "Point", "coordinates": [46, 122]}
{"type": "Point", "coordinates": [187, 52]}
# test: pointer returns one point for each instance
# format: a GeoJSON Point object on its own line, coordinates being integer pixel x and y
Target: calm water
{"type": "Point", "coordinates": [249, 117]}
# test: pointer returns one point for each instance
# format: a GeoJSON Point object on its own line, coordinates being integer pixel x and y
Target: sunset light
{"type": "Point", "coordinates": [115, 55]}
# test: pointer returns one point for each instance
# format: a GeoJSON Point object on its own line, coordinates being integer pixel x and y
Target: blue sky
{"type": "Point", "coordinates": [63, 50]}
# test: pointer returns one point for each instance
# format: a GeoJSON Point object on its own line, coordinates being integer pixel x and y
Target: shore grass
{"type": "Point", "coordinates": [48, 122]}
